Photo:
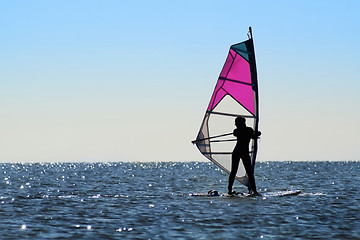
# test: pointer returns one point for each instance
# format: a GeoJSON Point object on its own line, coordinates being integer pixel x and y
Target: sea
{"type": "Point", "coordinates": [142, 200]}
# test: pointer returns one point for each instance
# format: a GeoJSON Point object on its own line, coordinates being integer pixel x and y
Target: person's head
{"type": "Point", "coordinates": [240, 122]}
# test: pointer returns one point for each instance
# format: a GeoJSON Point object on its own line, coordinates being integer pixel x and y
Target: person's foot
{"type": "Point", "coordinates": [255, 193]}
{"type": "Point", "coordinates": [233, 193]}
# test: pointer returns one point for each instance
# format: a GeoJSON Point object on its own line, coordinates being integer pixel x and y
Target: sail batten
{"type": "Point", "coordinates": [230, 114]}
{"type": "Point", "coordinates": [235, 94]}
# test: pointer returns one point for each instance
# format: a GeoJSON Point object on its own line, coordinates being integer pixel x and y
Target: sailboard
{"type": "Point", "coordinates": [235, 94]}
{"type": "Point", "coordinates": [241, 195]}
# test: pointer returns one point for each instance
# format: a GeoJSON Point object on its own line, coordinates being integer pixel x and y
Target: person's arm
{"type": "Point", "coordinates": [256, 135]}
{"type": "Point", "coordinates": [235, 132]}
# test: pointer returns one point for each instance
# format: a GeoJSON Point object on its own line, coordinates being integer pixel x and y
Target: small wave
{"type": "Point", "coordinates": [95, 196]}
{"type": "Point", "coordinates": [67, 196]}
{"type": "Point", "coordinates": [313, 194]}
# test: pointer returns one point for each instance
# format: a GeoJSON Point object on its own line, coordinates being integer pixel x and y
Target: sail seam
{"type": "Point", "coordinates": [233, 80]}
{"type": "Point", "coordinates": [221, 87]}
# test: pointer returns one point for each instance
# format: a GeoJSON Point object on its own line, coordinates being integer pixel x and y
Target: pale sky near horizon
{"type": "Point", "coordinates": [130, 80]}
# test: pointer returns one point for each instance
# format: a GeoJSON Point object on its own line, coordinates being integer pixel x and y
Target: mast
{"type": "Point", "coordinates": [256, 94]}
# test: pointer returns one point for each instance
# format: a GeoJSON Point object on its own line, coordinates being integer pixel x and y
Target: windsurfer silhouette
{"type": "Point", "coordinates": [243, 135]}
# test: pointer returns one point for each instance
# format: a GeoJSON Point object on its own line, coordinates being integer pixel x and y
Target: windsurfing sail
{"type": "Point", "coordinates": [236, 94]}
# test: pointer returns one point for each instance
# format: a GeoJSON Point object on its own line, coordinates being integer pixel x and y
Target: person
{"type": "Point", "coordinates": [243, 135]}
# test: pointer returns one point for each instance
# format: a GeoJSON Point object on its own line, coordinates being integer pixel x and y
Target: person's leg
{"type": "Point", "coordinates": [235, 159]}
{"type": "Point", "coordinates": [247, 164]}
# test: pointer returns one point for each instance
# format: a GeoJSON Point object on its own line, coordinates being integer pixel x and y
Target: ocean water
{"type": "Point", "coordinates": [151, 201]}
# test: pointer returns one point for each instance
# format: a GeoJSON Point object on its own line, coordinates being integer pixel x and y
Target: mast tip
{"type": "Point", "coordinates": [250, 33]}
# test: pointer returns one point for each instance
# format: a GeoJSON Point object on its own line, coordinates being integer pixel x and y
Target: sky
{"type": "Point", "coordinates": [114, 80]}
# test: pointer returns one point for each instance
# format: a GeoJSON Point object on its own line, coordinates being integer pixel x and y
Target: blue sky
{"type": "Point", "coordinates": [130, 80]}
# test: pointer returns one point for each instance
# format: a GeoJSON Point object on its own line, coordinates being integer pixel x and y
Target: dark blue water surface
{"type": "Point", "coordinates": [151, 201]}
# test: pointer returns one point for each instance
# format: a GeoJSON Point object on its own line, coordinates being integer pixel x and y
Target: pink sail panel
{"type": "Point", "coordinates": [235, 80]}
